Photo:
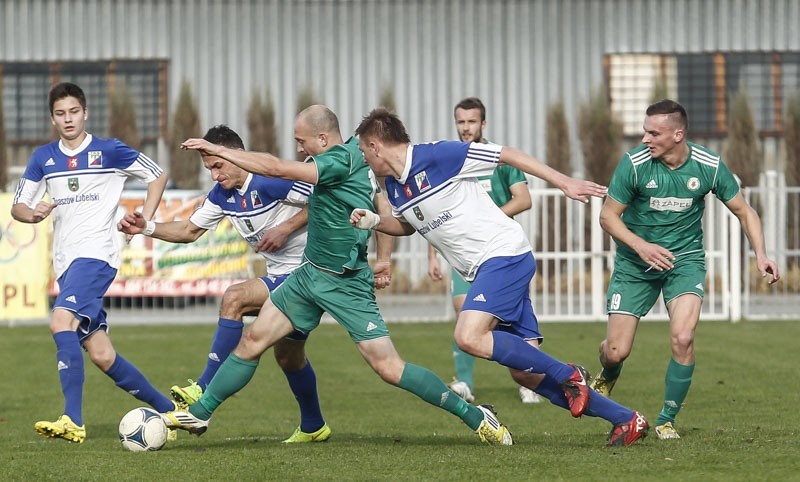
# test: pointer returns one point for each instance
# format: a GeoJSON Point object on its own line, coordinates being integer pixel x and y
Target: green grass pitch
{"type": "Point", "coordinates": [739, 421]}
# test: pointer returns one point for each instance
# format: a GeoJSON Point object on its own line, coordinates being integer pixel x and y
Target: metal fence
{"type": "Point", "coordinates": [575, 259]}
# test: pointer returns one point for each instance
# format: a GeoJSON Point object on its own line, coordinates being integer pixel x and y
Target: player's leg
{"type": "Point", "coordinates": [683, 293]}
{"type": "Point", "coordinates": [620, 334]}
{"type": "Point", "coordinates": [464, 363]}
{"type": "Point", "coordinates": [501, 291]}
{"type": "Point", "coordinates": [238, 299]}
{"type": "Point", "coordinates": [69, 359]}
{"type": "Point", "coordinates": [291, 357]}
{"type": "Point", "coordinates": [124, 373]}
{"type": "Point", "coordinates": [350, 300]}
{"type": "Point", "coordinates": [382, 356]}
{"type": "Point", "coordinates": [269, 327]}
{"type": "Point", "coordinates": [632, 291]}
{"type": "Point", "coordinates": [78, 304]}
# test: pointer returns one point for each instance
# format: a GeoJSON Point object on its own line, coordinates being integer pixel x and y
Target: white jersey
{"type": "Point", "coordinates": [259, 205]}
{"type": "Point", "coordinates": [440, 195]}
{"type": "Point", "coordinates": [86, 185]}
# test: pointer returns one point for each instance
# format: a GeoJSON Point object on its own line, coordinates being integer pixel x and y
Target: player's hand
{"type": "Point", "coordinates": [42, 210]}
{"type": "Point", "coordinates": [434, 269]}
{"type": "Point", "coordinates": [767, 267]}
{"type": "Point", "coordinates": [273, 239]}
{"type": "Point", "coordinates": [132, 223]}
{"type": "Point", "coordinates": [203, 146]}
{"type": "Point", "coordinates": [581, 190]}
{"type": "Point", "coordinates": [364, 219]}
{"type": "Point", "coordinates": [382, 270]}
{"type": "Point", "coordinates": [657, 257]}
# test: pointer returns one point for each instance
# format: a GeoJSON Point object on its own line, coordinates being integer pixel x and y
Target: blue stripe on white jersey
{"type": "Point", "coordinates": [149, 164]}
{"type": "Point", "coordinates": [303, 188]}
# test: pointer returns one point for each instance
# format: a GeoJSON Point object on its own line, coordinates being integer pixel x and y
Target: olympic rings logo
{"type": "Point", "coordinates": [14, 238]}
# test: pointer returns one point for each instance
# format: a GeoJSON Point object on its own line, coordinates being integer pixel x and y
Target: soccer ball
{"type": "Point", "coordinates": [142, 429]}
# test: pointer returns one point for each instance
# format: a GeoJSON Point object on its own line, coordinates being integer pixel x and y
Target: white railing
{"type": "Point", "coordinates": [575, 258]}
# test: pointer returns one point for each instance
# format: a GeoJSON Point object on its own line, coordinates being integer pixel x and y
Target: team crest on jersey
{"type": "Point", "coordinates": [422, 181]}
{"type": "Point", "coordinates": [72, 163]}
{"type": "Point", "coordinates": [95, 159]}
{"type": "Point", "coordinates": [255, 200]}
{"type": "Point", "coordinates": [407, 190]}
{"type": "Point", "coordinates": [72, 184]}
{"type": "Point", "coordinates": [418, 213]}
{"type": "Point", "coordinates": [243, 202]}
{"type": "Point", "coordinates": [249, 225]}
{"type": "Point", "coordinates": [693, 183]}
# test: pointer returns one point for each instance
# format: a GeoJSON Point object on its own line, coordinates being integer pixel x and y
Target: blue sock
{"type": "Point", "coordinates": [303, 383]}
{"type": "Point", "coordinates": [512, 351]}
{"type": "Point", "coordinates": [225, 340]}
{"type": "Point", "coordinates": [599, 406]}
{"type": "Point", "coordinates": [70, 372]}
{"type": "Point", "coordinates": [130, 379]}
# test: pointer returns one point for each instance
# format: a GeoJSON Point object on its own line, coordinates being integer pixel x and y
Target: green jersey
{"type": "Point", "coordinates": [665, 206]}
{"type": "Point", "coordinates": [344, 183]}
{"type": "Point", "coordinates": [499, 183]}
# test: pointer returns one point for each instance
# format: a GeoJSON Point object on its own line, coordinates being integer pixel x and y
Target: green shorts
{"type": "Point", "coordinates": [458, 285]}
{"type": "Point", "coordinates": [349, 298]}
{"type": "Point", "coordinates": [634, 291]}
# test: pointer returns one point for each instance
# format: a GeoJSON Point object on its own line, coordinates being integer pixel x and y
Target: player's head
{"type": "Point", "coordinates": [68, 111]}
{"type": "Point", "coordinates": [665, 127]}
{"type": "Point", "coordinates": [379, 130]}
{"type": "Point", "coordinates": [316, 129]}
{"type": "Point", "coordinates": [470, 115]}
{"type": "Point", "coordinates": [227, 174]}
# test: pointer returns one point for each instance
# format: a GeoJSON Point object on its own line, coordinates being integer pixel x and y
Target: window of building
{"type": "Point", "coordinates": [705, 84]}
{"type": "Point", "coordinates": [26, 85]}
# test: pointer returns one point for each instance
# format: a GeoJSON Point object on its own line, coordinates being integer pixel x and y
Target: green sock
{"type": "Point", "coordinates": [677, 381]}
{"type": "Point", "coordinates": [465, 365]}
{"type": "Point", "coordinates": [231, 377]}
{"type": "Point", "coordinates": [427, 386]}
{"type": "Point", "coordinates": [612, 373]}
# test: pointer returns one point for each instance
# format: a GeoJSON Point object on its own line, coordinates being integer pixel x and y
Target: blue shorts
{"type": "Point", "coordinates": [502, 288]}
{"type": "Point", "coordinates": [81, 290]}
{"type": "Point", "coordinates": [272, 283]}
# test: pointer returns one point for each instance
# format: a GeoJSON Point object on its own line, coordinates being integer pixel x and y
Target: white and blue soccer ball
{"type": "Point", "coordinates": [142, 429]}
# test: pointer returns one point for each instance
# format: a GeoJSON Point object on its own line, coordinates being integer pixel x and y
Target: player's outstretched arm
{"type": "Point", "coordinates": [366, 219]}
{"type": "Point", "coordinates": [261, 163]}
{"type": "Point", "coordinates": [25, 214]}
{"type": "Point", "coordinates": [577, 189]}
{"type": "Point", "coordinates": [183, 231]}
{"type": "Point", "coordinates": [155, 190]}
{"type": "Point", "coordinates": [751, 224]}
{"type": "Point", "coordinates": [382, 270]}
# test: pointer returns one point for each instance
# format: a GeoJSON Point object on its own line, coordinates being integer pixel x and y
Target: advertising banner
{"type": "Point", "coordinates": [25, 266]}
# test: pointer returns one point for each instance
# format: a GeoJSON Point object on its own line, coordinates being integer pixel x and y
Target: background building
{"type": "Point", "coordinates": [520, 57]}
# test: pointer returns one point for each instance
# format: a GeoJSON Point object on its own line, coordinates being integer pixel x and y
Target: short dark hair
{"type": "Point", "coordinates": [224, 136]}
{"type": "Point", "coordinates": [471, 103]}
{"type": "Point", "coordinates": [668, 106]}
{"type": "Point", "coordinates": [383, 125]}
{"type": "Point", "coordinates": [65, 89]}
